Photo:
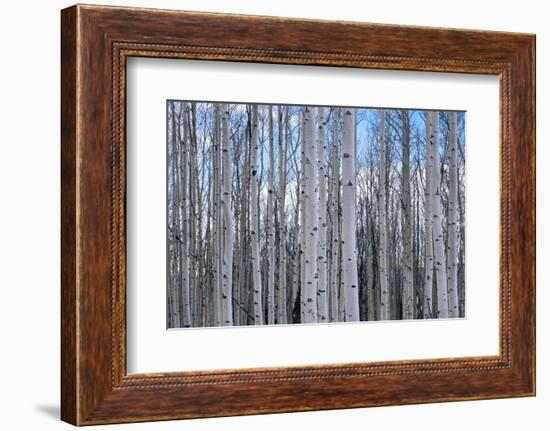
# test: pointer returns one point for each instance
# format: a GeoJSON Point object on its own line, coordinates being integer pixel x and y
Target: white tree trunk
{"type": "Point", "coordinates": [227, 182]}
{"type": "Point", "coordinates": [296, 258]}
{"type": "Point", "coordinates": [282, 284]}
{"type": "Point", "coordinates": [270, 225]}
{"type": "Point", "coordinates": [217, 220]}
{"type": "Point", "coordinates": [349, 249]}
{"type": "Point", "coordinates": [384, 284]}
{"type": "Point", "coordinates": [243, 275]}
{"type": "Point", "coordinates": [311, 227]}
{"type": "Point", "coordinates": [174, 286]}
{"type": "Point", "coordinates": [255, 220]}
{"type": "Point", "coordinates": [428, 307]}
{"type": "Point", "coordinates": [452, 221]}
{"type": "Point", "coordinates": [322, 250]}
{"type": "Point", "coordinates": [334, 218]}
{"type": "Point", "coordinates": [184, 224]}
{"type": "Point", "coordinates": [439, 241]}
{"type": "Point", "coordinates": [302, 220]}
{"type": "Point", "coordinates": [408, 291]}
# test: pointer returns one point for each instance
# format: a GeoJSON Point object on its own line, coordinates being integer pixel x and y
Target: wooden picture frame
{"type": "Point", "coordinates": [95, 43]}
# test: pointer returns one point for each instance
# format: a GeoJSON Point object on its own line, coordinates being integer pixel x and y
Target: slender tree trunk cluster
{"type": "Point", "coordinates": [305, 214]}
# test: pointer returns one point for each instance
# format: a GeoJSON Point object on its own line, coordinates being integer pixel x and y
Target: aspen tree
{"type": "Point", "coordinates": [174, 293]}
{"type": "Point", "coordinates": [193, 211]}
{"type": "Point", "coordinates": [384, 284]}
{"type": "Point", "coordinates": [296, 258]}
{"type": "Point", "coordinates": [452, 221]}
{"type": "Point", "coordinates": [429, 311]}
{"type": "Point", "coordinates": [245, 225]}
{"type": "Point", "coordinates": [184, 216]}
{"type": "Point", "coordinates": [349, 249]}
{"type": "Point", "coordinates": [302, 219]}
{"type": "Point", "coordinates": [334, 217]}
{"type": "Point", "coordinates": [408, 291]}
{"type": "Point", "coordinates": [255, 220]}
{"type": "Point", "coordinates": [270, 224]}
{"type": "Point", "coordinates": [216, 214]}
{"type": "Point", "coordinates": [322, 271]}
{"type": "Point", "coordinates": [282, 282]}
{"type": "Point", "coordinates": [311, 217]}
{"type": "Point", "coordinates": [227, 260]}
{"type": "Point", "coordinates": [438, 240]}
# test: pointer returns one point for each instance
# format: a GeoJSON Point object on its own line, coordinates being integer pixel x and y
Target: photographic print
{"type": "Point", "coordinates": [289, 214]}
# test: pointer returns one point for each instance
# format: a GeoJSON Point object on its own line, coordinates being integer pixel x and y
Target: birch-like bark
{"type": "Point", "coordinates": [311, 216]}
{"type": "Point", "coordinates": [255, 220]}
{"type": "Point", "coordinates": [462, 242]}
{"type": "Point", "coordinates": [334, 218]}
{"type": "Point", "coordinates": [200, 244]}
{"type": "Point", "coordinates": [295, 299]}
{"type": "Point", "coordinates": [373, 308]}
{"type": "Point", "coordinates": [216, 212]}
{"type": "Point", "coordinates": [209, 263]}
{"type": "Point", "coordinates": [428, 309]}
{"type": "Point", "coordinates": [322, 249]}
{"type": "Point", "coordinates": [282, 283]}
{"type": "Point", "coordinates": [408, 290]}
{"type": "Point", "coordinates": [270, 224]}
{"type": "Point", "coordinates": [174, 287]}
{"type": "Point", "coordinates": [438, 239]}
{"type": "Point", "coordinates": [384, 283]}
{"type": "Point", "coordinates": [244, 276]}
{"type": "Point", "coordinates": [302, 220]}
{"type": "Point", "coordinates": [227, 261]}
{"type": "Point", "coordinates": [452, 220]}
{"type": "Point", "coordinates": [417, 230]}
{"type": "Point", "coordinates": [184, 223]}
{"type": "Point", "coordinates": [349, 248]}
{"type": "Point", "coordinates": [296, 267]}
{"type": "Point", "coordinates": [192, 212]}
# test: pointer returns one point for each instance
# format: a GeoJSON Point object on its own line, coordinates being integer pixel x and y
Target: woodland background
{"type": "Point", "coordinates": [299, 214]}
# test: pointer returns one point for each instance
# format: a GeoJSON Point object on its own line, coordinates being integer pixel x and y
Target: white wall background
{"type": "Point", "coordinates": [29, 215]}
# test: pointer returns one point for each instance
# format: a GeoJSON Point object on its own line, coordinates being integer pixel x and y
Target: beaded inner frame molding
{"type": "Point", "coordinates": [95, 42]}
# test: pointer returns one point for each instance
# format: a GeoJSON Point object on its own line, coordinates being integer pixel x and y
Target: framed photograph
{"type": "Point", "coordinates": [265, 215]}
